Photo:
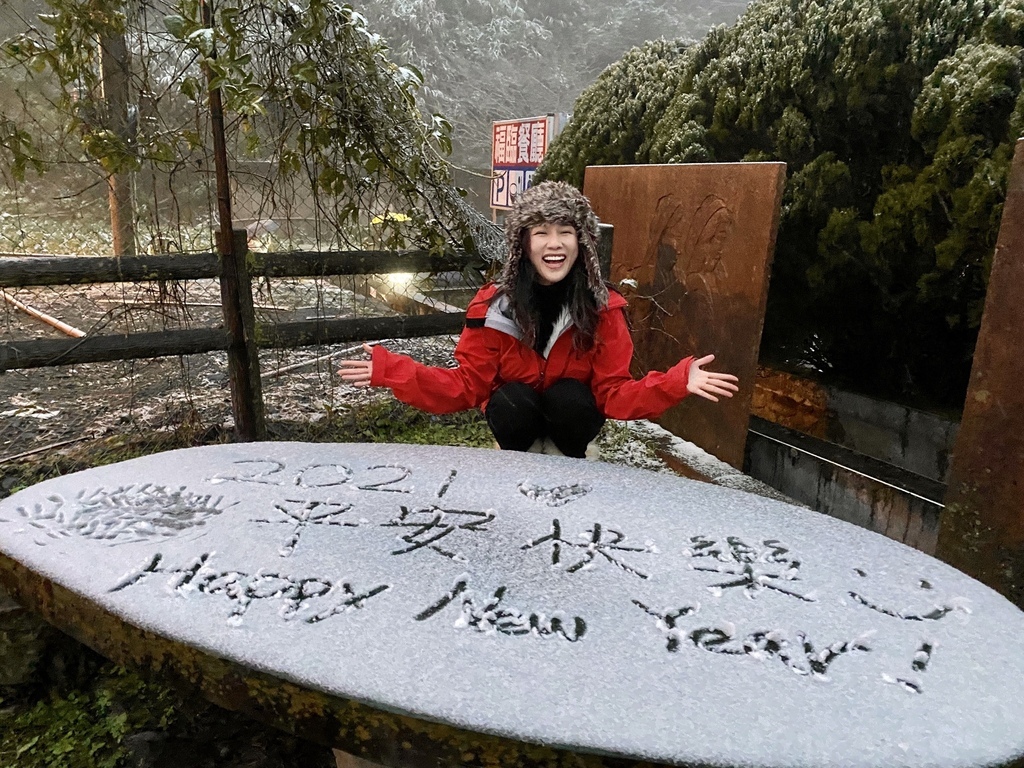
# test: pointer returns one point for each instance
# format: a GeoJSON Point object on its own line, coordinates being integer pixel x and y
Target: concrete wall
{"type": "Point", "coordinates": [841, 483]}
{"type": "Point", "coordinates": [914, 440]}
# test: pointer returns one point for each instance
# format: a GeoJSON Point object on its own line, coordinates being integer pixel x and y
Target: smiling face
{"type": "Point", "coordinates": [552, 249]}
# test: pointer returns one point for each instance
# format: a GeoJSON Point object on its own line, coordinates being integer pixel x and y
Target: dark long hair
{"type": "Point", "coordinates": [578, 298]}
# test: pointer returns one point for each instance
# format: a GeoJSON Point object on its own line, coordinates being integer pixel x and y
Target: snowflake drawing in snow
{"type": "Point", "coordinates": [597, 540]}
{"type": "Point", "coordinates": [310, 600]}
{"type": "Point", "coordinates": [934, 612]}
{"type": "Point", "coordinates": [554, 496]}
{"type": "Point", "coordinates": [487, 614]}
{"type": "Point", "coordinates": [756, 569]}
{"type": "Point", "coordinates": [302, 515]}
{"type": "Point", "coordinates": [130, 513]}
{"type": "Point", "coordinates": [429, 525]}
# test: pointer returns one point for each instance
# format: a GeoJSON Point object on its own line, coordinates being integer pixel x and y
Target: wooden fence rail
{"type": "Point", "coordinates": [40, 353]}
{"type": "Point", "coordinates": [75, 270]}
{"type": "Point", "coordinates": [22, 271]}
{"type": "Point", "coordinates": [240, 334]}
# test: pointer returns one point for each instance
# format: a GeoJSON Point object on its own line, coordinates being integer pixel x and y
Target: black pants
{"type": "Point", "coordinates": [566, 413]}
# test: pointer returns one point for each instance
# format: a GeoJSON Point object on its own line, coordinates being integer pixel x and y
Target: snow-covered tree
{"type": "Point", "coordinates": [490, 60]}
{"type": "Point", "coordinates": [897, 121]}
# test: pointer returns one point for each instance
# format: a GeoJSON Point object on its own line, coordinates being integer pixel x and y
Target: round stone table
{"type": "Point", "coordinates": [428, 606]}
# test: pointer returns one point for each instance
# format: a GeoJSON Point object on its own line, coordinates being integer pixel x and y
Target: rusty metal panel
{"type": "Point", "coordinates": [698, 241]}
{"type": "Point", "coordinates": [983, 526]}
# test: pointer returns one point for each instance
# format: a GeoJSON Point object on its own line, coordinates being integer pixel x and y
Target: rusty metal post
{"type": "Point", "coordinates": [982, 529]}
{"type": "Point", "coordinates": [235, 283]}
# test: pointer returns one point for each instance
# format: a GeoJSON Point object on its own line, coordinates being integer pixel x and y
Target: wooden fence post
{"type": "Point", "coordinates": [240, 322]}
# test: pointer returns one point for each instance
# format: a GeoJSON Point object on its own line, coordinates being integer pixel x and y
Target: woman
{"type": "Point", "coordinates": [546, 350]}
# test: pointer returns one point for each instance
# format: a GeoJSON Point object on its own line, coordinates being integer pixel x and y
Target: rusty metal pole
{"type": "Point", "coordinates": [235, 283]}
{"type": "Point", "coordinates": [982, 529]}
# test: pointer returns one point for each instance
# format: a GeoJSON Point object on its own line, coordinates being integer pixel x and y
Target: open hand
{"type": "Point", "coordinates": [357, 372]}
{"type": "Point", "coordinates": [707, 384]}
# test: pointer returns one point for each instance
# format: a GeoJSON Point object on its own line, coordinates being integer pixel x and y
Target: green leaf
{"type": "Point", "coordinates": [228, 17]}
{"type": "Point", "coordinates": [176, 26]}
{"type": "Point", "coordinates": [304, 71]}
{"type": "Point", "coordinates": [191, 88]}
{"type": "Point", "coordinates": [302, 99]}
{"type": "Point", "coordinates": [409, 77]}
{"type": "Point", "coordinates": [27, 746]}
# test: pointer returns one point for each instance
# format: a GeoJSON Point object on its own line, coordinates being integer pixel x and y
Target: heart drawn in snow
{"type": "Point", "coordinates": [554, 496]}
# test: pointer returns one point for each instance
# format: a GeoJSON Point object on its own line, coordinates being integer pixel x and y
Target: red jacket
{"type": "Point", "coordinates": [489, 354]}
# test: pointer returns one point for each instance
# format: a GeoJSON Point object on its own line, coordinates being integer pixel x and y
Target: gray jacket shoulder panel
{"type": "Point", "coordinates": [500, 318]}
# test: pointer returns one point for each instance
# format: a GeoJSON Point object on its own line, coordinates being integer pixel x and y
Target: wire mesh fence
{"type": "Point", "coordinates": [47, 406]}
{"type": "Point", "coordinates": [66, 202]}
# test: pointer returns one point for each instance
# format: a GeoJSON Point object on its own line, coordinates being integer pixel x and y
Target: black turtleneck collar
{"type": "Point", "coordinates": [550, 300]}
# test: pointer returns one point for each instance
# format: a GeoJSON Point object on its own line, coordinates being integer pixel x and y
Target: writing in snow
{"type": "Point", "coordinates": [314, 599]}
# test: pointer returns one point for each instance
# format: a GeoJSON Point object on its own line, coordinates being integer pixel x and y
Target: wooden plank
{"type": "Point", "coordinates": [50, 320]}
{"type": "Point", "coordinates": [315, 263]}
{"type": "Point", "coordinates": [23, 271]}
{"type": "Point", "coordinates": [38, 353]}
{"type": "Point", "coordinates": [319, 332]}
{"type": "Point", "coordinates": [20, 271]}
{"type": "Point", "coordinates": [605, 245]}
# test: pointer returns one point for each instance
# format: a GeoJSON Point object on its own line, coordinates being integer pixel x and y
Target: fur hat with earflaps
{"type": "Point", "coordinates": [558, 203]}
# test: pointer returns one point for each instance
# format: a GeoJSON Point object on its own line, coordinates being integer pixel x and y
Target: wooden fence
{"type": "Point", "coordinates": [240, 336]}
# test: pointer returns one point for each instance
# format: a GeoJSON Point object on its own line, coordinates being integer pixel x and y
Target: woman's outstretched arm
{"type": "Point", "coordinates": [430, 388]}
{"type": "Point", "coordinates": [620, 396]}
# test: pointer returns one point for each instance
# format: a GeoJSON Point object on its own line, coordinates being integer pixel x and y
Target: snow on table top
{"type": "Point", "coordinates": [546, 600]}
